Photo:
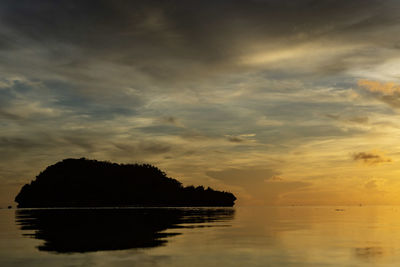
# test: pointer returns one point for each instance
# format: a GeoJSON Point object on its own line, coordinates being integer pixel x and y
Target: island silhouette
{"type": "Point", "coordinates": [91, 183]}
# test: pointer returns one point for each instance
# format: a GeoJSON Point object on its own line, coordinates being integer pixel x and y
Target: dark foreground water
{"type": "Point", "coordinates": [243, 236]}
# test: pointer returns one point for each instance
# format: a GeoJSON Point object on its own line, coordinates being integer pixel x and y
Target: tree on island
{"type": "Point", "coordinates": [92, 183]}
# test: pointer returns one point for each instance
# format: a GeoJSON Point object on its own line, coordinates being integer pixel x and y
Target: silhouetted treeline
{"type": "Point", "coordinates": [92, 183]}
{"type": "Point", "coordinates": [86, 230]}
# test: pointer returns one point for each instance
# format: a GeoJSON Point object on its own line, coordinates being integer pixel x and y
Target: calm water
{"type": "Point", "coordinates": [243, 236]}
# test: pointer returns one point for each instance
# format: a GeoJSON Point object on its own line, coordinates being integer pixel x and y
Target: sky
{"type": "Point", "coordinates": [280, 102]}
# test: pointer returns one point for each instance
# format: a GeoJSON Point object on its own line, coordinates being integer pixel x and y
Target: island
{"type": "Point", "coordinates": [91, 183]}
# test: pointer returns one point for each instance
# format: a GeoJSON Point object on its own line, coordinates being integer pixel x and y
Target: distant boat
{"type": "Point", "coordinates": [92, 183]}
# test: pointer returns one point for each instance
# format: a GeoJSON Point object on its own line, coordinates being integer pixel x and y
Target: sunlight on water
{"type": "Point", "coordinates": [244, 236]}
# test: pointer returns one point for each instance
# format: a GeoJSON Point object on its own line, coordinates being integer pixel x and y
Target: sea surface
{"type": "Point", "coordinates": [241, 236]}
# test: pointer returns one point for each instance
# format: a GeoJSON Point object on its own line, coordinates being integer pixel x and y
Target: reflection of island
{"type": "Point", "coordinates": [91, 183]}
{"type": "Point", "coordinates": [86, 230]}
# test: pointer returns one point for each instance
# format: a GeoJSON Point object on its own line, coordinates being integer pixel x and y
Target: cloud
{"type": "Point", "coordinates": [370, 158]}
{"type": "Point", "coordinates": [275, 178]}
{"type": "Point", "coordinates": [243, 176]}
{"type": "Point", "coordinates": [240, 138]}
{"type": "Point", "coordinates": [349, 119]}
{"type": "Point", "coordinates": [371, 184]}
{"type": "Point", "coordinates": [143, 147]}
{"type": "Point", "coordinates": [388, 88]}
{"type": "Point", "coordinates": [371, 253]}
{"type": "Point", "coordinates": [360, 120]}
{"type": "Point", "coordinates": [388, 93]}
{"type": "Point", "coordinates": [375, 187]}
{"type": "Point", "coordinates": [171, 120]}
{"type": "Point", "coordinates": [265, 186]}
{"type": "Point", "coordinates": [235, 139]}
{"type": "Point", "coordinates": [170, 40]}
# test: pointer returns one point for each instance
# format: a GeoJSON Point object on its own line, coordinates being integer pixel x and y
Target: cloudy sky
{"type": "Point", "coordinates": [281, 102]}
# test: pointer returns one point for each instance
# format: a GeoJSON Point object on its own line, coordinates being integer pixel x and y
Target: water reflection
{"type": "Point", "coordinates": [86, 230]}
{"type": "Point", "coordinates": [368, 253]}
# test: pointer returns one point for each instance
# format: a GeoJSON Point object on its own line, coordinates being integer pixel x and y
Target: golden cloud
{"type": "Point", "coordinates": [389, 92]}
{"type": "Point", "coordinates": [388, 88]}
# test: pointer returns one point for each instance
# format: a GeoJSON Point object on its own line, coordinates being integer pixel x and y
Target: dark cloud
{"type": "Point", "coordinates": [235, 139]}
{"type": "Point", "coordinates": [332, 116]}
{"type": "Point", "coordinates": [356, 119]}
{"type": "Point", "coordinates": [371, 253]}
{"type": "Point", "coordinates": [193, 135]}
{"type": "Point", "coordinates": [370, 158]}
{"type": "Point", "coordinates": [168, 38]}
{"type": "Point", "coordinates": [19, 143]}
{"type": "Point", "coordinates": [170, 119]}
{"type": "Point", "coordinates": [161, 130]}
{"type": "Point", "coordinates": [41, 142]}
{"type": "Point", "coordinates": [392, 100]}
{"type": "Point", "coordinates": [360, 120]}
{"type": "Point", "coordinates": [299, 109]}
{"type": "Point", "coordinates": [4, 114]}
{"type": "Point", "coordinates": [154, 147]}
{"type": "Point", "coordinates": [186, 16]}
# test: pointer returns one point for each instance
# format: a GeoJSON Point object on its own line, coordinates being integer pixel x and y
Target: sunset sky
{"type": "Point", "coordinates": [280, 102]}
